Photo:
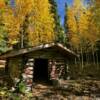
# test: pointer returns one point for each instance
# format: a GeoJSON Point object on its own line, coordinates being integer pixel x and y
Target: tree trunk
{"type": "Point", "coordinates": [82, 63]}
{"type": "Point", "coordinates": [97, 60]}
{"type": "Point", "coordinates": [87, 58]}
{"type": "Point", "coordinates": [93, 55]}
{"type": "Point", "coordinates": [22, 40]}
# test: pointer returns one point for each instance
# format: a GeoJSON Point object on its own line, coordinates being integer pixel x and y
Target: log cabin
{"type": "Point", "coordinates": [46, 62]}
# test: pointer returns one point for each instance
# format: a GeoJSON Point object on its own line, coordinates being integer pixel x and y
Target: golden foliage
{"type": "Point", "coordinates": [41, 22]}
{"type": "Point", "coordinates": [12, 25]}
{"type": "Point", "coordinates": [2, 4]}
{"type": "Point", "coordinates": [72, 25]}
{"type": "Point", "coordinates": [82, 23]}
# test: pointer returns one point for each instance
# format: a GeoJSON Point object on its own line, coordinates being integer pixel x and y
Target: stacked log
{"type": "Point", "coordinates": [2, 63]}
{"type": "Point", "coordinates": [28, 74]}
{"type": "Point", "coordinates": [56, 71]}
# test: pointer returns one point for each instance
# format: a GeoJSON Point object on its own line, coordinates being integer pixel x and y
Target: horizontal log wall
{"type": "Point", "coordinates": [15, 67]}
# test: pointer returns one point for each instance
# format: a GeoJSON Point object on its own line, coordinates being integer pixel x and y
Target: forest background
{"type": "Point", "coordinates": [26, 23]}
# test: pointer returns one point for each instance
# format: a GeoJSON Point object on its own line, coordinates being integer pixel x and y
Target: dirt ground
{"type": "Point", "coordinates": [68, 90]}
{"type": "Point", "coordinates": [64, 90]}
{"type": "Point", "coordinates": [43, 92]}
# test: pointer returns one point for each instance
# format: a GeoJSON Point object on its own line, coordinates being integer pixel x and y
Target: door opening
{"type": "Point", "coordinates": [40, 70]}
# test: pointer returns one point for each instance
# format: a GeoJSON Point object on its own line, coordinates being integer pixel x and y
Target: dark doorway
{"type": "Point", "coordinates": [41, 70]}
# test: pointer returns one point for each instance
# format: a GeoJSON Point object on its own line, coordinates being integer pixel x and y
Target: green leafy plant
{"type": "Point", "coordinates": [22, 87]}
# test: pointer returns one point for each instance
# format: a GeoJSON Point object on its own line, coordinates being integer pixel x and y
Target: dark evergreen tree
{"type": "Point", "coordinates": [65, 19]}
{"type": "Point", "coordinates": [59, 30]}
{"type": "Point", "coordinates": [66, 25]}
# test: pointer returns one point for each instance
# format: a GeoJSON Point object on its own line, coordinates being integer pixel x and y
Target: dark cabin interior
{"type": "Point", "coordinates": [41, 70]}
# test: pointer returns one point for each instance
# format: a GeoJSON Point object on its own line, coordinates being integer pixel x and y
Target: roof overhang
{"type": "Point", "coordinates": [58, 46]}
